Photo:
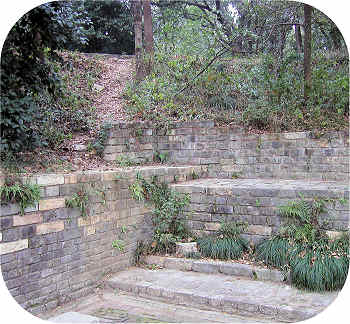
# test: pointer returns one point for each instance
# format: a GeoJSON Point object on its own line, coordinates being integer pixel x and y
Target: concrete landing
{"type": "Point", "coordinates": [234, 295]}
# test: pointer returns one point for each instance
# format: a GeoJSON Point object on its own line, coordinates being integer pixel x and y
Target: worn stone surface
{"type": "Point", "coordinates": [10, 247]}
{"type": "Point", "coordinates": [234, 295]}
{"type": "Point", "coordinates": [119, 307]}
{"type": "Point", "coordinates": [185, 248]}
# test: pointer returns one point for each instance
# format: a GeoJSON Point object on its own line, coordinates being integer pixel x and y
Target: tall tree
{"type": "Point", "coordinates": [307, 51]}
{"type": "Point", "coordinates": [149, 47]}
{"type": "Point", "coordinates": [137, 10]}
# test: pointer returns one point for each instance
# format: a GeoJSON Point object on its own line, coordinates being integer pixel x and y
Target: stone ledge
{"type": "Point", "coordinates": [227, 268]}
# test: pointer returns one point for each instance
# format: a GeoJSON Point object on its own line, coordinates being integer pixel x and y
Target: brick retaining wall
{"type": "Point", "coordinates": [52, 254]}
{"type": "Point", "coordinates": [232, 152]}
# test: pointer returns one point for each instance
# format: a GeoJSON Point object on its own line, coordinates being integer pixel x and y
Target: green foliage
{"type": "Point", "coordinates": [25, 195]}
{"type": "Point", "coordinates": [27, 72]}
{"type": "Point", "coordinates": [125, 161]}
{"type": "Point", "coordinates": [160, 157]}
{"type": "Point", "coordinates": [169, 205]}
{"type": "Point", "coordinates": [79, 200]}
{"type": "Point", "coordinates": [226, 244]}
{"type": "Point", "coordinates": [320, 268]}
{"type": "Point", "coordinates": [315, 261]}
{"type": "Point", "coordinates": [99, 144]}
{"type": "Point", "coordinates": [274, 251]}
{"type": "Point", "coordinates": [119, 245]}
{"type": "Point", "coordinates": [108, 29]}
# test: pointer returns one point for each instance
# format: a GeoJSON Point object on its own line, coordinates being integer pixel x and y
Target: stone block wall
{"type": "Point", "coordinates": [231, 152]}
{"type": "Point", "coordinates": [257, 202]}
{"type": "Point", "coordinates": [53, 254]}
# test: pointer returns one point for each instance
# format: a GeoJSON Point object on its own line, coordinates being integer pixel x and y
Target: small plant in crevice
{"type": "Point", "coordinates": [25, 195]}
{"type": "Point", "coordinates": [99, 144]}
{"type": "Point", "coordinates": [119, 245]}
{"type": "Point", "coordinates": [79, 200]}
{"type": "Point", "coordinates": [315, 261]}
{"type": "Point", "coordinates": [226, 244]}
{"type": "Point", "coordinates": [236, 175]}
{"type": "Point", "coordinates": [160, 157]}
{"type": "Point", "coordinates": [169, 223]}
{"type": "Point", "coordinates": [125, 161]}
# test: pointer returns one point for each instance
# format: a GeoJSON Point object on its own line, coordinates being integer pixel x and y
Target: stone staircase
{"type": "Point", "coordinates": [229, 287]}
{"type": "Point", "coordinates": [231, 294]}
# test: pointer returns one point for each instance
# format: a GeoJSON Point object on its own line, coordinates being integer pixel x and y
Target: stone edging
{"type": "Point", "coordinates": [226, 268]}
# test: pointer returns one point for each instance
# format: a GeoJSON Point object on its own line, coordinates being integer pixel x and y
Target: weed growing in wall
{"type": "Point", "coordinates": [79, 200]}
{"type": "Point", "coordinates": [25, 195]}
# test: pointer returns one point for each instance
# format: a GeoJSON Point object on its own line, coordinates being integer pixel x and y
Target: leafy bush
{"type": "Point", "coordinates": [27, 72]}
{"type": "Point", "coordinates": [169, 205]}
{"type": "Point", "coordinates": [261, 92]}
{"type": "Point", "coordinates": [227, 244]}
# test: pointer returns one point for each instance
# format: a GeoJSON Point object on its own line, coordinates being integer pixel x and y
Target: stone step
{"type": "Point", "coordinates": [229, 268]}
{"type": "Point", "coordinates": [256, 201]}
{"type": "Point", "coordinates": [115, 306]}
{"type": "Point", "coordinates": [233, 295]}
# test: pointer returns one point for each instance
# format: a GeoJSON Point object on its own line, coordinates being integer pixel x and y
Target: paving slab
{"type": "Point", "coordinates": [235, 295]}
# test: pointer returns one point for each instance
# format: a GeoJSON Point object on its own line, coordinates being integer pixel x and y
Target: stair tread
{"type": "Point", "coordinates": [239, 289]}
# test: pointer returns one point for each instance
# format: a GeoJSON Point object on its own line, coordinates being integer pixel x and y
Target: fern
{"type": "Point", "coordinates": [25, 195]}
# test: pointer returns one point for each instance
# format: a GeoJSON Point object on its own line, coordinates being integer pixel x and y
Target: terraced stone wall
{"type": "Point", "coordinates": [53, 254]}
{"type": "Point", "coordinates": [257, 201]}
{"type": "Point", "coordinates": [231, 152]}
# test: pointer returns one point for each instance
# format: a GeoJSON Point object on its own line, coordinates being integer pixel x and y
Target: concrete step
{"type": "Point", "coordinates": [256, 201]}
{"type": "Point", "coordinates": [229, 268]}
{"type": "Point", "coordinates": [234, 295]}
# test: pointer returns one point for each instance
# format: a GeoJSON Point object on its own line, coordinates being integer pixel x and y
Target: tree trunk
{"type": "Point", "coordinates": [298, 39]}
{"type": "Point", "coordinates": [136, 4]}
{"type": "Point", "coordinates": [149, 46]}
{"type": "Point", "coordinates": [307, 51]}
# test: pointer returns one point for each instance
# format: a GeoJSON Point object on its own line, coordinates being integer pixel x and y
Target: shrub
{"type": "Point", "coordinates": [315, 261]}
{"type": "Point", "coordinates": [169, 205]}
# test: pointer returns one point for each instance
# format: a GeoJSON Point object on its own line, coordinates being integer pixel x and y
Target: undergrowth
{"type": "Point", "coordinates": [79, 200]}
{"type": "Point", "coordinates": [263, 92]}
{"type": "Point", "coordinates": [315, 261]}
{"type": "Point", "coordinates": [168, 212]}
{"type": "Point", "coordinates": [226, 244]}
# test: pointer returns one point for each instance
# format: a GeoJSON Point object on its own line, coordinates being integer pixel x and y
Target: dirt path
{"type": "Point", "coordinates": [117, 73]}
